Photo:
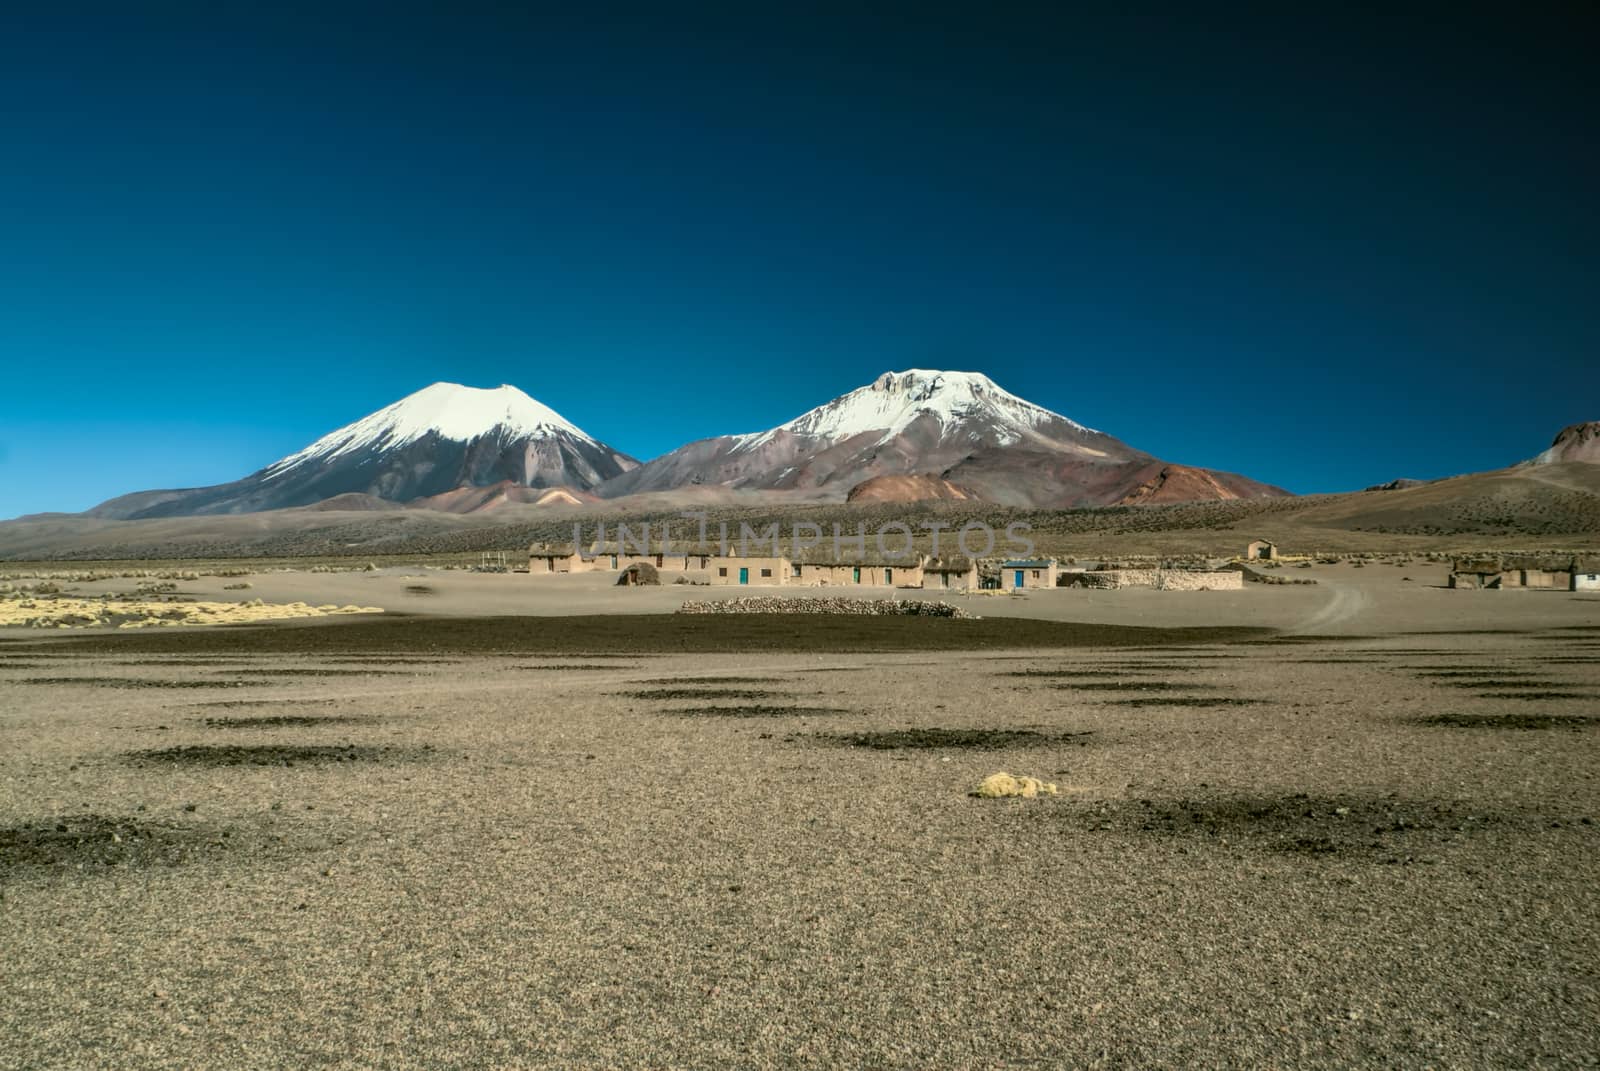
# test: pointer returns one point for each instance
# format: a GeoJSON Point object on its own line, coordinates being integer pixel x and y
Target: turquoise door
{"type": "Point", "coordinates": [888, 576]}
{"type": "Point", "coordinates": [858, 574]}
{"type": "Point", "coordinates": [1019, 578]}
{"type": "Point", "coordinates": [744, 575]}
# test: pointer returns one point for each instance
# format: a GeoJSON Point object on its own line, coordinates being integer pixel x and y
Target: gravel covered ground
{"type": "Point", "coordinates": [482, 858]}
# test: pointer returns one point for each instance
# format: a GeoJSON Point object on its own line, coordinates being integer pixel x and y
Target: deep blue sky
{"type": "Point", "coordinates": [1322, 250]}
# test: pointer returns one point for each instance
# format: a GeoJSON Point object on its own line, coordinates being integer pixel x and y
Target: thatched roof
{"type": "Point", "coordinates": [1554, 563]}
{"type": "Point", "coordinates": [873, 558]}
{"type": "Point", "coordinates": [949, 564]}
{"type": "Point", "coordinates": [639, 573]}
{"type": "Point", "coordinates": [1550, 563]}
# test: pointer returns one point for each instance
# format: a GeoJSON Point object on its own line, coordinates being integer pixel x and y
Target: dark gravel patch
{"type": "Point", "coordinates": [952, 739]}
{"type": "Point", "coordinates": [274, 754]}
{"type": "Point", "coordinates": [657, 694]}
{"type": "Point", "coordinates": [1380, 830]}
{"type": "Point", "coordinates": [690, 681]}
{"type": "Point", "coordinates": [1301, 641]}
{"type": "Point", "coordinates": [1072, 674]}
{"type": "Point", "coordinates": [137, 682]}
{"type": "Point", "coordinates": [395, 660]}
{"type": "Point", "coordinates": [308, 671]}
{"type": "Point", "coordinates": [1510, 721]}
{"type": "Point", "coordinates": [236, 703]}
{"type": "Point", "coordinates": [85, 842]}
{"type": "Point", "coordinates": [744, 710]}
{"type": "Point", "coordinates": [627, 635]}
{"type": "Point", "coordinates": [1501, 682]}
{"type": "Point", "coordinates": [1537, 696]}
{"type": "Point", "coordinates": [559, 667]}
{"type": "Point", "coordinates": [1130, 686]}
{"type": "Point", "coordinates": [273, 721]}
{"type": "Point", "coordinates": [1187, 701]}
{"type": "Point", "coordinates": [1449, 673]}
{"type": "Point", "coordinates": [217, 662]}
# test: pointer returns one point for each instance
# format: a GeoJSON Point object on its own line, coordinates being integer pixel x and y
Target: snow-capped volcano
{"type": "Point", "coordinates": [443, 437]}
{"type": "Point", "coordinates": [446, 410]}
{"type": "Point", "coordinates": [890, 404]}
{"type": "Point", "coordinates": [960, 426]}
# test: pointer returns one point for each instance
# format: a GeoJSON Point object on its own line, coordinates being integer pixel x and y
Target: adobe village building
{"type": "Point", "coordinates": [856, 571]}
{"type": "Point", "coordinates": [1263, 550]}
{"type": "Point", "coordinates": [545, 559]}
{"type": "Point", "coordinates": [950, 574]}
{"type": "Point", "coordinates": [1528, 571]}
{"type": "Point", "coordinates": [708, 567]}
{"type": "Point", "coordinates": [1028, 573]}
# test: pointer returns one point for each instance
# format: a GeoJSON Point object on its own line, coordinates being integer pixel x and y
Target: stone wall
{"type": "Point", "coordinates": [1162, 579]}
{"type": "Point", "coordinates": [777, 604]}
{"type": "Point", "coordinates": [1186, 580]}
{"type": "Point", "coordinates": [1120, 578]}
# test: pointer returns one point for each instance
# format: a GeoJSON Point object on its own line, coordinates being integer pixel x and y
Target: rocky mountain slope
{"type": "Point", "coordinates": [1576, 442]}
{"type": "Point", "coordinates": [923, 488]}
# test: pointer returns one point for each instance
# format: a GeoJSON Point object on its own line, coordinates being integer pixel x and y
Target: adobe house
{"type": "Point", "coordinates": [1024, 573]}
{"type": "Point", "coordinates": [1544, 572]}
{"type": "Point", "coordinates": [863, 570]}
{"type": "Point", "coordinates": [950, 574]}
{"type": "Point", "coordinates": [669, 561]}
{"type": "Point", "coordinates": [1263, 550]}
{"type": "Point", "coordinates": [753, 572]}
{"type": "Point", "coordinates": [545, 560]}
{"type": "Point", "coordinates": [1533, 571]}
{"type": "Point", "coordinates": [1586, 574]}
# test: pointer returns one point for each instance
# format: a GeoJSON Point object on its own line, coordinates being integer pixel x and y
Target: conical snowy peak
{"type": "Point", "coordinates": [429, 444]}
{"type": "Point", "coordinates": [448, 410]}
{"type": "Point", "coordinates": [912, 423]}
{"type": "Point", "coordinates": [889, 404]}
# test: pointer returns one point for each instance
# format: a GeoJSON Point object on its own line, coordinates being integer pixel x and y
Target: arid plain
{"type": "Point", "coordinates": [1349, 824]}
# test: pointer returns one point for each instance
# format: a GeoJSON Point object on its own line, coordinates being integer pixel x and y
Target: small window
{"type": "Point", "coordinates": [722, 571]}
{"type": "Point", "coordinates": [766, 572]}
{"type": "Point", "coordinates": [794, 570]}
{"type": "Point", "coordinates": [1036, 574]}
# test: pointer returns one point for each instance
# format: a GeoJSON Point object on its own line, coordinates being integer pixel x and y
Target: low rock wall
{"type": "Point", "coordinates": [1161, 579]}
{"type": "Point", "coordinates": [1185, 580]}
{"type": "Point", "coordinates": [778, 604]}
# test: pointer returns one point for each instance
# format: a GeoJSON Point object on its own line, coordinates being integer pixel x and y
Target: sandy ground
{"type": "Point", "coordinates": [1373, 846]}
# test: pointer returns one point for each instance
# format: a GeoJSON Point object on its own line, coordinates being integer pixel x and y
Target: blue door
{"type": "Point", "coordinates": [1019, 578]}
{"type": "Point", "coordinates": [744, 575]}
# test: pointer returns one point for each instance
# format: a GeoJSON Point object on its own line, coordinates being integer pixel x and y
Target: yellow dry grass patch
{"type": "Point", "coordinates": [134, 613]}
{"type": "Point", "coordinates": [1001, 785]}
